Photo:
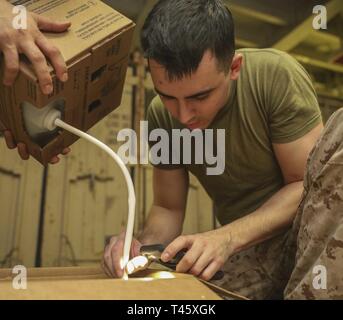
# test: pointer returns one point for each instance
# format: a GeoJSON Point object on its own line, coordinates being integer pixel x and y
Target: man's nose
{"type": "Point", "coordinates": [186, 114]}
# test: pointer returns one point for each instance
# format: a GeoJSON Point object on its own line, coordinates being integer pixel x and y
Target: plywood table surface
{"type": "Point", "coordinates": [91, 283]}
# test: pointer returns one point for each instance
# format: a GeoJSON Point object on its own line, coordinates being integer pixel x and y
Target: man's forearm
{"type": "Point", "coordinates": [275, 216]}
{"type": "Point", "coordinates": [162, 226]}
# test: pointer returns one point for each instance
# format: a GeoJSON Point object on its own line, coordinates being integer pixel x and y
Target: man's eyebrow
{"type": "Point", "coordinates": [163, 94]}
{"type": "Point", "coordinates": [201, 93]}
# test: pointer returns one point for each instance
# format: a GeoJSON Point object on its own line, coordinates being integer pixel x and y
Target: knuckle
{"type": "Point", "coordinates": [53, 51]}
{"type": "Point", "coordinates": [182, 238]}
{"type": "Point", "coordinates": [22, 32]}
{"type": "Point", "coordinates": [117, 241]}
{"type": "Point", "coordinates": [219, 261]}
{"type": "Point", "coordinates": [203, 241]}
{"type": "Point", "coordinates": [24, 36]}
{"type": "Point", "coordinates": [37, 58]}
{"type": "Point", "coordinates": [11, 69]}
{"type": "Point", "coordinates": [116, 247]}
{"type": "Point", "coordinates": [45, 79]}
{"type": "Point", "coordinates": [187, 261]}
{"type": "Point", "coordinates": [203, 244]}
{"type": "Point", "coordinates": [113, 248]}
{"type": "Point", "coordinates": [195, 271]}
{"type": "Point", "coordinates": [35, 32]}
{"type": "Point", "coordinates": [113, 239]}
{"type": "Point", "coordinates": [107, 257]}
{"type": "Point", "coordinates": [6, 36]}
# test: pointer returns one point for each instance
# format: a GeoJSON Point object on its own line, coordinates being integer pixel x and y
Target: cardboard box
{"type": "Point", "coordinates": [96, 50]}
{"type": "Point", "coordinates": [80, 283]}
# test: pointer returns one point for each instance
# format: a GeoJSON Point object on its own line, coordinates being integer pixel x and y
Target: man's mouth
{"type": "Point", "coordinates": [193, 125]}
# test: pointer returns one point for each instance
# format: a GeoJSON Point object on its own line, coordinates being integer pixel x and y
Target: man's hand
{"type": "Point", "coordinates": [22, 149]}
{"type": "Point", "coordinates": [37, 48]}
{"type": "Point", "coordinates": [33, 44]}
{"type": "Point", "coordinates": [207, 253]}
{"type": "Point", "coordinates": [113, 253]}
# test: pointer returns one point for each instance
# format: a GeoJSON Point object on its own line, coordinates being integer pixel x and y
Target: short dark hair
{"type": "Point", "coordinates": [177, 33]}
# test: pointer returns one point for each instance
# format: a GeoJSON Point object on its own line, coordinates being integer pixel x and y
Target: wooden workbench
{"type": "Point", "coordinates": [80, 283]}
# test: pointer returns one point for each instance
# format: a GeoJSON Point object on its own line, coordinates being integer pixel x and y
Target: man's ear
{"type": "Point", "coordinates": [236, 65]}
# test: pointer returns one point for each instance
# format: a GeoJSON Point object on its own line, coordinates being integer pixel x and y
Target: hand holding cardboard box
{"type": "Point", "coordinates": [95, 49]}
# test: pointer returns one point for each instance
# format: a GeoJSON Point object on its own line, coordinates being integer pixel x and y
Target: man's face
{"type": "Point", "coordinates": [196, 99]}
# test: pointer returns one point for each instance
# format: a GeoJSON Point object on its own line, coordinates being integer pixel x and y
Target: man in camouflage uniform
{"type": "Point", "coordinates": [306, 262]}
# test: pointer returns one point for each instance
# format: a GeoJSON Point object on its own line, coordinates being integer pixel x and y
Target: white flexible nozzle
{"type": "Point", "coordinates": [131, 191]}
{"type": "Point", "coordinates": [50, 118]}
{"type": "Point", "coordinates": [39, 120]}
{"type": "Point", "coordinates": [47, 119]}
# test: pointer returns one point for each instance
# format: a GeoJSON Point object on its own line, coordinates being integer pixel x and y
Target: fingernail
{"type": "Point", "coordinates": [48, 89]}
{"type": "Point", "coordinates": [165, 257]}
{"type": "Point", "coordinates": [64, 77]}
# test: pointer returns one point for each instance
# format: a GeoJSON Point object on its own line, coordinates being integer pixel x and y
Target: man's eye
{"type": "Point", "coordinates": [165, 97]}
{"type": "Point", "coordinates": [200, 98]}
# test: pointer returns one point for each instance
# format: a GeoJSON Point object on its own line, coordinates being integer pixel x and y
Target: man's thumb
{"type": "Point", "coordinates": [46, 24]}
